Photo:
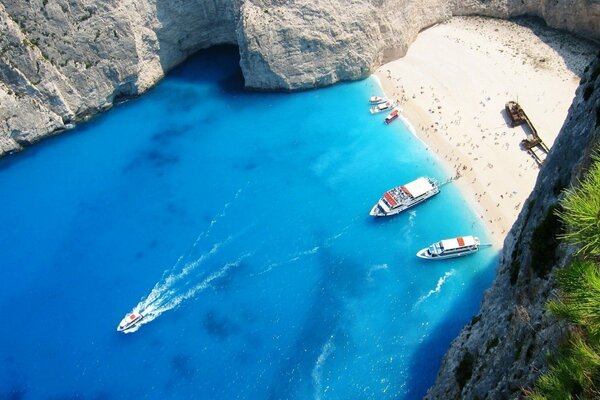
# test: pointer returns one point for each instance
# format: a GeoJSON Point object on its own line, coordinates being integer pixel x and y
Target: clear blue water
{"type": "Point", "coordinates": [241, 220]}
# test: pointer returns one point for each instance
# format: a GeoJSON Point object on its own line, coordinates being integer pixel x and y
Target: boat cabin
{"type": "Point", "coordinates": [451, 246]}
{"type": "Point", "coordinates": [410, 192]}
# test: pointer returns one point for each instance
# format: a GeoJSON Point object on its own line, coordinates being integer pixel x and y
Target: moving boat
{"type": "Point", "coordinates": [400, 198]}
{"type": "Point", "coordinates": [377, 100]}
{"type": "Point", "coordinates": [388, 105]}
{"type": "Point", "coordinates": [129, 321]}
{"type": "Point", "coordinates": [450, 248]}
{"type": "Point", "coordinates": [392, 116]}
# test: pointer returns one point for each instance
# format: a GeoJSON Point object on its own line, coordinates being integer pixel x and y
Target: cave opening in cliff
{"type": "Point", "coordinates": [213, 61]}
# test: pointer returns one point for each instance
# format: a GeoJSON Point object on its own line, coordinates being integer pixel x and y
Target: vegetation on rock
{"type": "Point", "coordinates": [574, 372]}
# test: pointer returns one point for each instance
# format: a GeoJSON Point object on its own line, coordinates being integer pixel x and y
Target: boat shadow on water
{"type": "Point", "coordinates": [427, 358]}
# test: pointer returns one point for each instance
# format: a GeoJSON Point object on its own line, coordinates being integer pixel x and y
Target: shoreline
{"type": "Point", "coordinates": [452, 86]}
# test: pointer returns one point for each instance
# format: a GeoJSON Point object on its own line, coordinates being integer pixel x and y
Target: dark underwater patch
{"type": "Point", "coordinates": [227, 281]}
{"type": "Point", "coordinates": [166, 136]}
{"type": "Point", "coordinates": [219, 327]}
{"type": "Point", "coordinates": [153, 158]}
{"type": "Point", "coordinates": [14, 393]}
{"type": "Point", "coordinates": [249, 166]}
{"type": "Point", "coordinates": [181, 365]}
{"type": "Point", "coordinates": [68, 396]}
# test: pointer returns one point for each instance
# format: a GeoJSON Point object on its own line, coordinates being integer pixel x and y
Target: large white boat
{"type": "Point", "coordinates": [388, 105]}
{"type": "Point", "coordinates": [450, 248]}
{"type": "Point", "coordinates": [129, 322]}
{"type": "Point", "coordinates": [400, 198]}
{"type": "Point", "coordinates": [377, 100]}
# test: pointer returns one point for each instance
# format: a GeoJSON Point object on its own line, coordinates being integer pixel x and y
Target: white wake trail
{"type": "Point", "coordinates": [292, 259]}
{"type": "Point", "coordinates": [170, 299]}
{"type": "Point", "coordinates": [375, 268]}
{"type": "Point", "coordinates": [317, 371]}
{"type": "Point", "coordinates": [212, 223]}
{"type": "Point", "coordinates": [163, 290]}
{"type": "Point", "coordinates": [204, 284]}
{"type": "Point", "coordinates": [438, 287]}
{"type": "Point", "coordinates": [165, 295]}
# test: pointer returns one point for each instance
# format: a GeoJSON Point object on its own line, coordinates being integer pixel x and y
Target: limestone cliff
{"type": "Point", "coordinates": [504, 347]}
{"type": "Point", "coordinates": [62, 61]}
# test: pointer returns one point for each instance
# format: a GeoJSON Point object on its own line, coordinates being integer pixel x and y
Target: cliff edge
{"type": "Point", "coordinates": [64, 61]}
{"type": "Point", "coordinates": [504, 347]}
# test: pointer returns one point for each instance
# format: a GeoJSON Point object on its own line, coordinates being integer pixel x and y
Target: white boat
{"type": "Point", "coordinates": [377, 100]}
{"type": "Point", "coordinates": [400, 198]}
{"type": "Point", "coordinates": [450, 248]}
{"type": "Point", "coordinates": [129, 322]}
{"type": "Point", "coordinates": [388, 105]}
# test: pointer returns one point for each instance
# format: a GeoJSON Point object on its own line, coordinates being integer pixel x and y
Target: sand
{"type": "Point", "coordinates": [453, 84]}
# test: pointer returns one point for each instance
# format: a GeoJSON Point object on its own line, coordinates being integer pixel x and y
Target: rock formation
{"type": "Point", "coordinates": [63, 61]}
{"type": "Point", "coordinates": [504, 348]}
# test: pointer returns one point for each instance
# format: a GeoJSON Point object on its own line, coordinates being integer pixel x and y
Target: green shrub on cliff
{"type": "Point", "coordinates": [581, 213]}
{"type": "Point", "coordinates": [579, 300]}
{"type": "Point", "coordinates": [574, 372]}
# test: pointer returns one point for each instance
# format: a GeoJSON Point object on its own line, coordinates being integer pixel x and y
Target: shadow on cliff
{"type": "Point", "coordinates": [564, 43]}
{"type": "Point", "coordinates": [427, 358]}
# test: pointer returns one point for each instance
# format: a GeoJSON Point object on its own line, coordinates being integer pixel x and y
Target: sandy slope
{"type": "Point", "coordinates": [453, 84]}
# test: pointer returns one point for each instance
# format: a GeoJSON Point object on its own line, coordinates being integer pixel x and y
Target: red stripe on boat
{"type": "Point", "coordinates": [461, 242]}
{"type": "Point", "coordinates": [390, 199]}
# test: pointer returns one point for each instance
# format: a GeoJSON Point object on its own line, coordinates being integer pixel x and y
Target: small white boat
{"type": "Point", "coordinates": [129, 322]}
{"type": "Point", "coordinates": [400, 198]}
{"type": "Point", "coordinates": [388, 105]}
{"type": "Point", "coordinates": [450, 248]}
{"type": "Point", "coordinates": [377, 100]}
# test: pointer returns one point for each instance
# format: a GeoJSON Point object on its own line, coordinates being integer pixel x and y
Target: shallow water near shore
{"type": "Point", "coordinates": [239, 222]}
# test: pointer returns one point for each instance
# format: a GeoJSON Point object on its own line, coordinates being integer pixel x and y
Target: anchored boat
{"type": "Point", "coordinates": [377, 100]}
{"type": "Point", "coordinates": [392, 116]}
{"type": "Point", "coordinates": [388, 105]}
{"type": "Point", "coordinates": [130, 321]}
{"type": "Point", "coordinates": [400, 198]}
{"type": "Point", "coordinates": [450, 248]}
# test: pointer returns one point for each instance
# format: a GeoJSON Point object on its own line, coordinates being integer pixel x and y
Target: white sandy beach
{"type": "Point", "coordinates": [453, 85]}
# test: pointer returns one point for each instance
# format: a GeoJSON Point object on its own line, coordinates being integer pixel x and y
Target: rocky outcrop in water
{"type": "Point", "coordinates": [63, 61]}
{"type": "Point", "coordinates": [504, 348]}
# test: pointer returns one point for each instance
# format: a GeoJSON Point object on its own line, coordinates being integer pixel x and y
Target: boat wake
{"type": "Point", "coordinates": [317, 371]}
{"type": "Point", "coordinates": [185, 279]}
{"type": "Point", "coordinates": [438, 287]}
{"type": "Point", "coordinates": [166, 296]}
{"type": "Point", "coordinates": [293, 258]}
{"type": "Point", "coordinates": [375, 268]}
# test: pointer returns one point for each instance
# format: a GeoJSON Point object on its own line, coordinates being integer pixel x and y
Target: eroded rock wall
{"type": "Point", "coordinates": [504, 347]}
{"type": "Point", "coordinates": [307, 43]}
{"type": "Point", "coordinates": [577, 16]}
{"type": "Point", "coordinates": [62, 61]}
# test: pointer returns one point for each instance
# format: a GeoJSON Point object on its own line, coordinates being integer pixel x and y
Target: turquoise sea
{"type": "Point", "coordinates": [239, 222]}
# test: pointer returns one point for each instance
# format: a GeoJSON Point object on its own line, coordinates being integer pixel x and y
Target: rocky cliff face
{"type": "Point", "coordinates": [504, 347]}
{"type": "Point", "coordinates": [62, 61]}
